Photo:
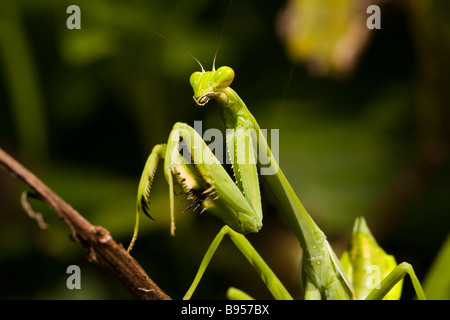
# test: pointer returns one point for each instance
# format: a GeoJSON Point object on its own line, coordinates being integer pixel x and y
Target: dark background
{"type": "Point", "coordinates": [83, 108]}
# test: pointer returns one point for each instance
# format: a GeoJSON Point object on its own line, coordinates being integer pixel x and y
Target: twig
{"type": "Point", "coordinates": [98, 242]}
{"type": "Point", "coordinates": [31, 213]}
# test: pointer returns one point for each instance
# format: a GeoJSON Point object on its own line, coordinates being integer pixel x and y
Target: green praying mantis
{"type": "Point", "coordinates": [364, 271]}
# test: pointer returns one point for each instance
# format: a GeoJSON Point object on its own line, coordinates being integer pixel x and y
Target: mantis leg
{"type": "Point", "coordinates": [393, 278]}
{"type": "Point", "coordinates": [247, 216]}
{"type": "Point", "coordinates": [143, 196]}
{"type": "Point", "coordinates": [205, 180]}
{"type": "Point", "coordinates": [270, 279]}
{"type": "Point", "coordinates": [236, 294]}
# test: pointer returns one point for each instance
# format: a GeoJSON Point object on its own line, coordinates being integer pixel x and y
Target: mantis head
{"type": "Point", "coordinates": [209, 84]}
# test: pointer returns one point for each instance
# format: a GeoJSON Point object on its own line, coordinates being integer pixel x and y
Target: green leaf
{"type": "Point", "coordinates": [367, 264]}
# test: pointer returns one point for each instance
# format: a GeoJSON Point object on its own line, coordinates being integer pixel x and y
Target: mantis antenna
{"type": "Point", "coordinates": [221, 35]}
{"type": "Point", "coordinates": [172, 42]}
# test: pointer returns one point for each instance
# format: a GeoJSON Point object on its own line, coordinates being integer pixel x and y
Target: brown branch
{"type": "Point", "coordinates": [98, 242]}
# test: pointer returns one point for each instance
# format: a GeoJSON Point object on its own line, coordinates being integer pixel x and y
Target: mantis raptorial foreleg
{"type": "Point", "coordinates": [205, 180]}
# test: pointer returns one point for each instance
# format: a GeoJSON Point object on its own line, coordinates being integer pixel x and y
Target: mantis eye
{"type": "Point", "coordinates": [223, 77]}
{"type": "Point", "coordinates": [194, 78]}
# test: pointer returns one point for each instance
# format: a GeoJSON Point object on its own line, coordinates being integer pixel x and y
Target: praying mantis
{"type": "Point", "coordinates": [238, 204]}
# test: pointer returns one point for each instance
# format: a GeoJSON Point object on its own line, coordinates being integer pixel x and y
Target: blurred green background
{"type": "Point", "coordinates": [363, 118]}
